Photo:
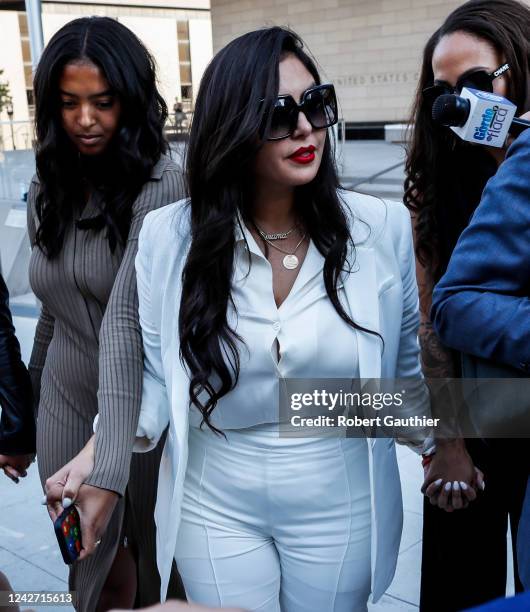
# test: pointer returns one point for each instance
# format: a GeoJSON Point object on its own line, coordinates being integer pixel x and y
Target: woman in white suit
{"type": "Point", "coordinates": [270, 271]}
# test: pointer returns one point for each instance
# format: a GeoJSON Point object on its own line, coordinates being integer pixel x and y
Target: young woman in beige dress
{"type": "Point", "coordinates": [101, 166]}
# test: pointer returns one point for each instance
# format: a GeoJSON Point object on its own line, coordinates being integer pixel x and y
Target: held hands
{"type": "Point", "coordinates": [15, 466]}
{"type": "Point", "coordinates": [95, 505]}
{"type": "Point", "coordinates": [451, 479]}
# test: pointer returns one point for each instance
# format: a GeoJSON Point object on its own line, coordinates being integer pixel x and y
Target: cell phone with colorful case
{"type": "Point", "coordinates": [68, 532]}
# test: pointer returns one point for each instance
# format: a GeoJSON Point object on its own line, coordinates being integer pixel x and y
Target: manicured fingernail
{"type": "Point", "coordinates": [448, 486]}
{"type": "Point", "coordinates": [438, 482]}
{"type": "Point", "coordinates": [463, 485]}
{"type": "Point", "coordinates": [67, 502]}
{"type": "Point", "coordinates": [44, 501]}
{"type": "Point", "coordinates": [483, 485]}
{"type": "Point", "coordinates": [456, 486]}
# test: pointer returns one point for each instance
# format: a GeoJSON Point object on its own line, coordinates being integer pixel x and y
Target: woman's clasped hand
{"type": "Point", "coordinates": [451, 481]}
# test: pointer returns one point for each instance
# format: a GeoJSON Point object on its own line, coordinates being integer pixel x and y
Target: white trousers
{"type": "Point", "coordinates": [276, 524]}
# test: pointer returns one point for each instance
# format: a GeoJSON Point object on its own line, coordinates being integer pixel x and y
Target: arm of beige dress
{"type": "Point", "coordinates": [120, 353]}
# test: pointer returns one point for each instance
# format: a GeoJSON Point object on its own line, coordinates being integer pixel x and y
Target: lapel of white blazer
{"type": "Point", "coordinates": [360, 286]}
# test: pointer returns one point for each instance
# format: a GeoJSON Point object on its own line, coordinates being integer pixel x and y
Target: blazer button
{"type": "Point", "coordinates": [524, 366]}
{"type": "Point", "coordinates": [276, 326]}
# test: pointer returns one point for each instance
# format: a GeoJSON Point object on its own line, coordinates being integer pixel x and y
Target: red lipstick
{"type": "Point", "coordinates": [303, 155]}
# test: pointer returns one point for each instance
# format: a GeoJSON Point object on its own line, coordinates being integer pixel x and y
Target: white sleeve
{"type": "Point", "coordinates": [154, 411]}
{"type": "Point", "coordinates": [408, 362]}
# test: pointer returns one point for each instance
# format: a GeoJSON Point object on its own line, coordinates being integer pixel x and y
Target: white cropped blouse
{"type": "Point", "coordinates": [314, 342]}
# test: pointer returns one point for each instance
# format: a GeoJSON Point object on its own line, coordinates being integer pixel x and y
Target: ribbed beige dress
{"type": "Point", "coordinates": [87, 359]}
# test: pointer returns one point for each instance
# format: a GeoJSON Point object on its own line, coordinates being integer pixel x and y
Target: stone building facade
{"type": "Point", "coordinates": [370, 49]}
{"type": "Point", "coordinates": [177, 32]}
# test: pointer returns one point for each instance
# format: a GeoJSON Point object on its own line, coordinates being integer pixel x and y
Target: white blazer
{"type": "Point", "coordinates": [382, 295]}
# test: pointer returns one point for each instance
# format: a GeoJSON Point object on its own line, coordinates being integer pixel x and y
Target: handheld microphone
{"type": "Point", "coordinates": [478, 116]}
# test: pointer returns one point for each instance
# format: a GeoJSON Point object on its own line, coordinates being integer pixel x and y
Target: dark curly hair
{"type": "Point", "coordinates": [445, 176]}
{"type": "Point", "coordinates": [230, 124]}
{"type": "Point", "coordinates": [124, 167]}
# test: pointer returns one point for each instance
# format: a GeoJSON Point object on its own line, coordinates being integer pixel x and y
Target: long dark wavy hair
{"type": "Point", "coordinates": [121, 171]}
{"type": "Point", "coordinates": [445, 176]}
{"type": "Point", "coordinates": [231, 121]}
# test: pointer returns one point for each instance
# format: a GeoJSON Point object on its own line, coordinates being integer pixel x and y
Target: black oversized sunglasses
{"type": "Point", "coordinates": [478, 79]}
{"type": "Point", "coordinates": [319, 105]}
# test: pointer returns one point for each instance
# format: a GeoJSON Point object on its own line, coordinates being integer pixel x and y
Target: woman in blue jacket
{"type": "Point", "coordinates": [484, 44]}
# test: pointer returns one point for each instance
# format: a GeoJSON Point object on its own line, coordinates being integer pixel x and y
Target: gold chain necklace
{"type": "Point", "coordinates": [275, 235]}
{"type": "Point", "coordinates": [290, 261]}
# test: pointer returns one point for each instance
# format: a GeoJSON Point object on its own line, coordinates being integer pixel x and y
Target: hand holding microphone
{"type": "Point", "coordinates": [479, 117]}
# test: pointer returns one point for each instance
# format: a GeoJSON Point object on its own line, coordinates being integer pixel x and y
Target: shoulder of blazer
{"type": "Point", "coordinates": [168, 226]}
{"type": "Point", "coordinates": [373, 220]}
{"type": "Point", "coordinates": [162, 248]}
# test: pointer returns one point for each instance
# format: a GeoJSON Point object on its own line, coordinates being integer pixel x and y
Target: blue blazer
{"type": "Point", "coordinates": [519, 603]}
{"type": "Point", "coordinates": [481, 305]}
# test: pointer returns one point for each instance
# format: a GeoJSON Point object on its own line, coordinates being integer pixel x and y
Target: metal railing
{"type": "Point", "coordinates": [373, 177]}
{"type": "Point", "coordinates": [16, 169]}
{"type": "Point", "coordinates": [16, 135]}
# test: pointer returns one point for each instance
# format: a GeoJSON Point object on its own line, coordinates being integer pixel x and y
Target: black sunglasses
{"type": "Point", "coordinates": [319, 105]}
{"type": "Point", "coordinates": [478, 79]}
